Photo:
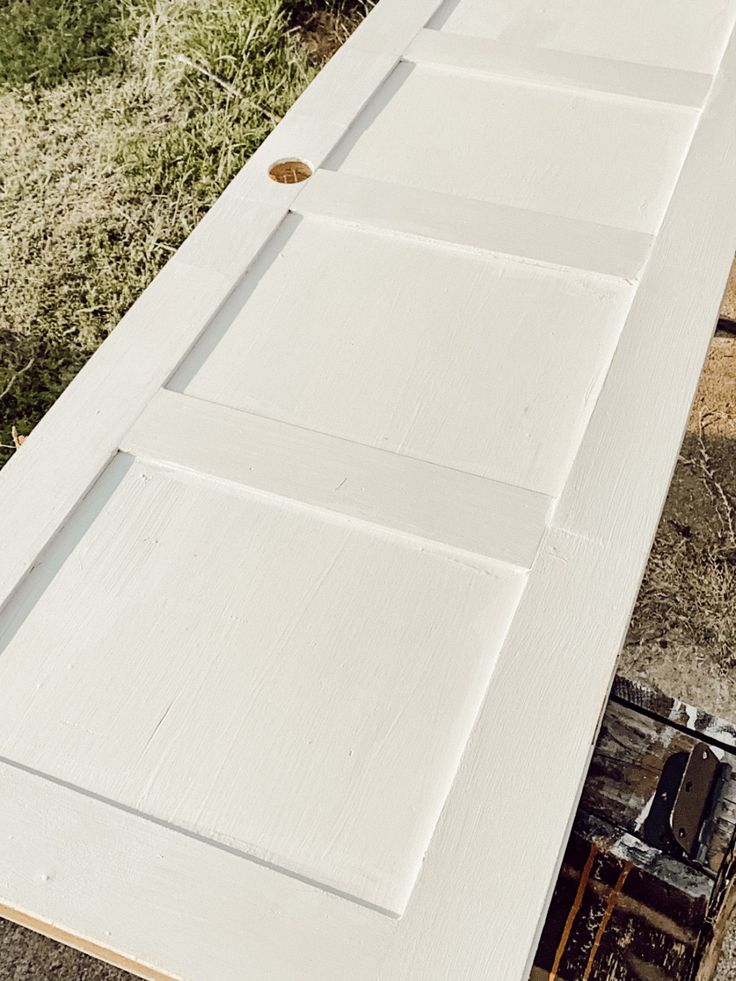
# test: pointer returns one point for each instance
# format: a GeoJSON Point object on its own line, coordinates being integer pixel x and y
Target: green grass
{"type": "Point", "coordinates": [121, 121]}
{"type": "Point", "coordinates": [44, 43]}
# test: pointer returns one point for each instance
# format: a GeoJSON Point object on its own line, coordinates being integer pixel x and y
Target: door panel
{"type": "Point", "coordinates": [420, 366]}
{"type": "Point", "coordinates": [673, 35]}
{"type": "Point", "coordinates": [313, 582]}
{"type": "Point", "coordinates": [263, 676]}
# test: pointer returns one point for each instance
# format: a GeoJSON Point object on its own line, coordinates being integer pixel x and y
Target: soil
{"type": "Point", "coordinates": [729, 301]}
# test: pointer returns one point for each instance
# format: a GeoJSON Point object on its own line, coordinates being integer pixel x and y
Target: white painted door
{"type": "Point", "coordinates": [314, 581]}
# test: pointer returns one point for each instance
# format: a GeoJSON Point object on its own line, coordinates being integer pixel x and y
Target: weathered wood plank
{"type": "Point", "coordinates": [623, 909]}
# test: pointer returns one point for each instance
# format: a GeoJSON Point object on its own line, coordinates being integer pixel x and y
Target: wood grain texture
{"type": "Point", "coordinates": [274, 717]}
{"type": "Point", "coordinates": [487, 519]}
{"type": "Point", "coordinates": [624, 775]}
{"type": "Point", "coordinates": [628, 903]}
{"type": "Point", "coordinates": [642, 915]}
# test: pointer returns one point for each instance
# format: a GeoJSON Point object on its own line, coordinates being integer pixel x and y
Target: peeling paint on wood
{"type": "Point", "coordinates": [623, 910]}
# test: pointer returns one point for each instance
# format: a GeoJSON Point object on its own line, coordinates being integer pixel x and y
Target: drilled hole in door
{"type": "Point", "coordinates": [290, 171]}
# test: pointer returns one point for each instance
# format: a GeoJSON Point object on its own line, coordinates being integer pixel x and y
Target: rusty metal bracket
{"type": "Point", "coordinates": [683, 801]}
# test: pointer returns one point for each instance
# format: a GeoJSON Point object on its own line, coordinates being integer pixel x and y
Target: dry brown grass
{"type": "Point", "coordinates": [688, 596]}
{"type": "Point", "coordinates": [729, 300]}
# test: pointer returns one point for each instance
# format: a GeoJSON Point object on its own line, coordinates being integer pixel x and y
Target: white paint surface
{"type": "Point", "coordinates": [314, 581]}
{"type": "Point", "coordinates": [682, 35]}
{"type": "Point", "coordinates": [553, 150]}
{"type": "Point", "coordinates": [420, 366]}
{"type": "Point", "coordinates": [560, 69]}
{"type": "Point", "coordinates": [213, 696]}
{"type": "Point", "coordinates": [385, 490]}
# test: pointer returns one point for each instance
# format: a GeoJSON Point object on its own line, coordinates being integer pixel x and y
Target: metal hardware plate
{"type": "Point", "coordinates": [682, 801]}
{"type": "Point", "coordinates": [693, 797]}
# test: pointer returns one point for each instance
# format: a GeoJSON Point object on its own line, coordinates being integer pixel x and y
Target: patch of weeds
{"type": "Point", "coordinates": [44, 41]}
{"type": "Point", "coordinates": [34, 369]}
{"type": "Point", "coordinates": [687, 595]}
{"type": "Point", "coordinates": [324, 25]}
{"type": "Point", "coordinates": [218, 76]}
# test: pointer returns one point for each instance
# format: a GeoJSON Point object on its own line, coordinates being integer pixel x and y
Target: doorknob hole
{"type": "Point", "coordinates": [290, 171]}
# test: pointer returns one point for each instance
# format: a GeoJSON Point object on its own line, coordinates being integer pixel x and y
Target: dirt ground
{"type": "Point", "coordinates": [729, 301]}
{"type": "Point", "coordinates": [27, 956]}
{"type": "Point", "coordinates": [683, 632]}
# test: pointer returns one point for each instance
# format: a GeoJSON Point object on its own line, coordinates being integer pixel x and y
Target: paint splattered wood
{"type": "Point", "coordinates": [366, 476]}
{"type": "Point", "coordinates": [626, 907]}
